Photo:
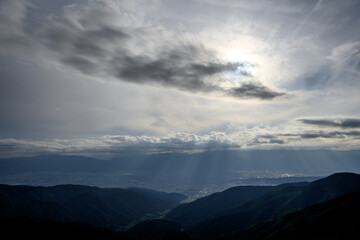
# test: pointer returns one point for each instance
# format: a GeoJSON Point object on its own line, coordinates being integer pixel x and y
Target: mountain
{"type": "Point", "coordinates": [44, 229]}
{"type": "Point", "coordinates": [112, 208]}
{"type": "Point", "coordinates": [184, 172]}
{"type": "Point", "coordinates": [277, 202]}
{"type": "Point", "coordinates": [215, 161]}
{"type": "Point", "coordinates": [332, 220]}
{"type": "Point", "coordinates": [41, 229]}
{"type": "Point", "coordinates": [323, 209]}
{"type": "Point", "coordinates": [51, 163]}
{"type": "Point", "coordinates": [194, 212]}
{"type": "Point", "coordinates": [157, 229]}
{"type": "Point", "coordinates": [335, 219]}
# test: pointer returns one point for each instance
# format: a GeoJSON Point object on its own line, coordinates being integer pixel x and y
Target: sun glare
{"type": "Point", "coordinates": [237, 55]}
{"type": "Point", "coordinates": [248, 63]}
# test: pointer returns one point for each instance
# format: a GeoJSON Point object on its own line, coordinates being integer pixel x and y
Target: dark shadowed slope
{"type": "Point", "coordinates": [113, 208]}
{"type": "Point", "coordinates": [158, 229]}
{"type": "Point", "coordinates": [194, 212]}
{"type": "Point", "coordinates": [33, 228]}
{"type": "Point", "coordinates": [335, 219]}
{"type": "Point", "coordinates": [44, 229]}
{"type": "Point", "coordinates": [277, 202]}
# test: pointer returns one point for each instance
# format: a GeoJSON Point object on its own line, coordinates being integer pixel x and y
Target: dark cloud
{"type": "Point", "coordinates": [268, 139]}
{"type": "Point", "coordinates": [88, 49]}
{"type": "Point", "coordinates": [320, 135]}
{"type": "Point", "coordinates": [64, 36]}
{"type": "Point", "coordinates": [7, 147]}
{"type": "Point", "coordinates": [181, 142]}
{"type": "Point", "coordinates": [93, 43]}
{"type": "Point", "coordinates": [344, 123]}
{"type": "Point", "coordinates": [268, 136]}
{"type": "Point", "coordinates": [106, 33]}
{"type": "Point", "coordinates": [80, 63]}
{"type": "Point", "coordinates": [179, 68]}
{"type": "Point", "coordinates": [254, 90]}
{"type": "Point", "coordinates": [278, 141]}
{"type": "Point", "coordinates": [97, 39]}
{"type": "Point", "coordinates": [333, 134]}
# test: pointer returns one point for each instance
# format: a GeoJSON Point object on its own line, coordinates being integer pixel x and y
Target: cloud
{"type": "Point", "coordinates": [344, 123]}
{"type": "Point", "coordinates": [181, 142]}
{"type": "Point", "coordinates": [289, 138]}
{"type": "Point", "coordinates": [334, 134]}
{"type": "Point", "coordinates": [102, 39]}
{"type": "Point", "coordinates": [80, 63]}
{"type": "Point", "coordinates": [321, 134]}
{"type": "Point", "coordinates": [346, 56]}
{"type": "Point", "coordinates": [181, 67]}
{"type": "Point", "coordinates": [13, 38]}
{"type": "Point", "coordinates": [190, 67]}
{"type": "Point", "coordinates": [267, 140]}
{"type": "Point", "coordinates": [255, 90]}
{"type": "Point", "coordinates": [119, 144]}
{"type": "Point", "coordinates": [327, 135]}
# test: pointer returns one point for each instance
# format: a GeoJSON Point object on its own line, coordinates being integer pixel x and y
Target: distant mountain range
{"type": "Point", "coordinates": [213, 162]}
{"type": "Point", "coordinates": [190, 173]}
{"type": "Point", "coordinates": [323, 209]}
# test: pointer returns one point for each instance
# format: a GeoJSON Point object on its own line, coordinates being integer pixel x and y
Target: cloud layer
{"type": "Point", "coordinates": [252, 138]}
{"type": "Point", "coordinates": [102, 39]}
{"type": "Point", "coordinates": [344, 123]}
{"type": "Point", "coordinates": [108, 76]}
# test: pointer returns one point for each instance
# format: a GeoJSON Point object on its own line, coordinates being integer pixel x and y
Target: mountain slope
{"type": "Point", "coordinates": [277, 202]}
{"type": "Point", "coordinates": [111, 208]}
{"type": "Point", "coordinates": [157, 229]}
{"type": "Point", "coordinates": [194, 212]}
{"type": "Point", "coordinates": [44, 229]}
{"type": "Point", "coordinates": [333, 219]}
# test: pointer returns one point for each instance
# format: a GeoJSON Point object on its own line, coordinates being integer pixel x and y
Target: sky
{"type": "Point", "coordinates": [106, 77]}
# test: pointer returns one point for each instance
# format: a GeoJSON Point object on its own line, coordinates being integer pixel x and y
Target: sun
{"type": "Point", "coordinates": [238, 55]}
{"type": "Point", "coordinates": [248, 63]}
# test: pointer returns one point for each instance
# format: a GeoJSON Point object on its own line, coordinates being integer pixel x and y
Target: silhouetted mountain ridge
{"type": "Point", "coordinates": [190, 213]}
{"type": "Point", "coordinates": [274, 203]}
{"type": "Point", "coordinates": [323, 209]}
{"type": "Point", "coordinates": [210, 206]}
{"type": "Point", "coordinates": [333, 219]}
{"type": "Point", "coordinates": [111, 208]}
{"type": "Point", "coordinates": [44, 229]}
{"type": "Point", "coordinates": [157, 229]}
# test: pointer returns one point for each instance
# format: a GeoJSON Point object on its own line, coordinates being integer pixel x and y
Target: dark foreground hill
{"type": "Point", "coordinates": [274, 203]}
{"type": "Point", "coordinates": [44, 229]}
{"type": "Point", "coordinates": [111, 208]}
{"type": "Point", "coordinates": [41, 229]}
{"type": "Point", "coordinates": [188, 214]}
{"type": "Point", "coordinates": [158, 229]}
{"type": "Point", "coordinates": [324, 209]}
{"type": "Point", "coordinates": [335, 219]}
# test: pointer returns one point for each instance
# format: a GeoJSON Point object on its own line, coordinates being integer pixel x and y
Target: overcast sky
{"type": "Point", "coordinates": [107, 77]}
